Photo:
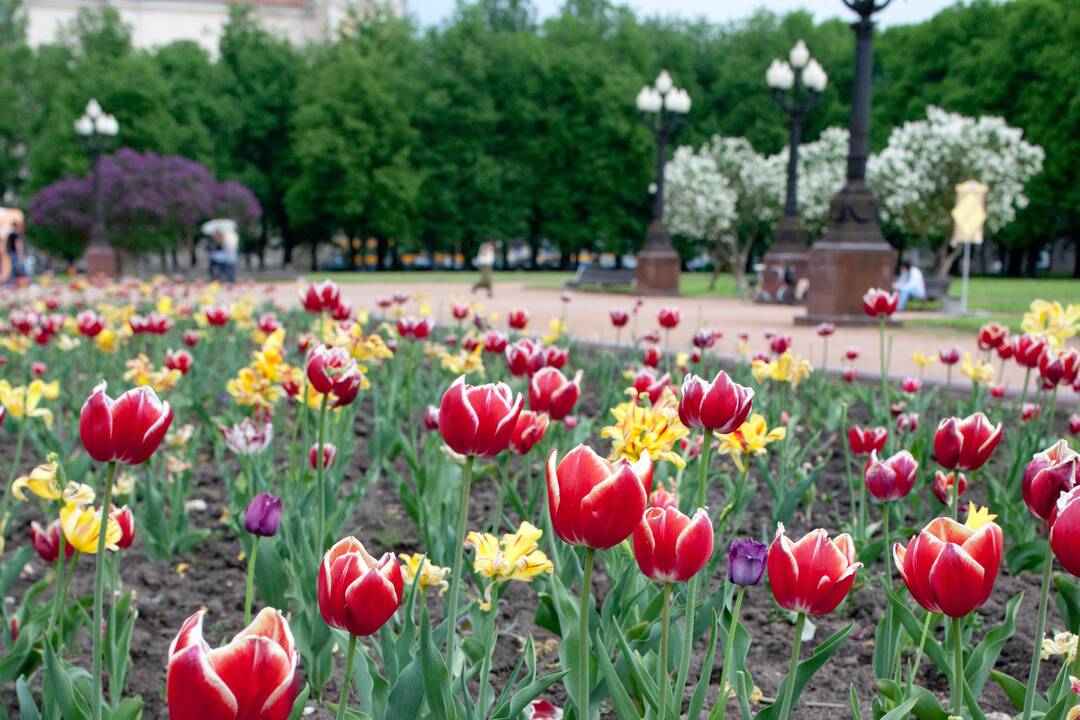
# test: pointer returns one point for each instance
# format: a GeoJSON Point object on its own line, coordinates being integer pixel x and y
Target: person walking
{"type": "Point", "coordinates": [485, 262]}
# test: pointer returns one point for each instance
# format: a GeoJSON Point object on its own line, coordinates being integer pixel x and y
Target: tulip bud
{"type": "Point", "coordinates": [550, 392]}
{"type": "Point", "coordinates": [721, 406]}
{"type": "Point", "coordinates": [911, 385]}
{"type": "Point", "coordinates": [1028, 351]}
{"type": "Point", "coordinates": [594, 502]}
{"type": "Point", "coordinates": [947, 483]}
{"type": "Point", "coordinates": [329, 455]}
{"type": "Point", "coordinates": [1074, 424]}
{"type": "Point", "coordinates": [127, 429]}
{"type": "Point", "coordinates": [46, 541]}
{"type": "Point", "coordinates": [517, 319]}
{"type": "Point", "coordinates": [863, 441]}
{"type": "Point", "coordinates": [217, 316]}
{"type": "Point", "coordinates": [966, 444]}
{"type": "Point", "coordinates": [878, 302]}
{"type": "Point", "coordinates": [849, 375]}
{"type": "Point", "coordinates": [991, 335]}
{"type": "Point", "coordinates": [997, 390]}
{"type": "Point", "coordinates": [126, 520]}
{"type": "Point", "coordinates": [1065, 531]}
{"type": "Point", "coordinates": [1050, 474]}
{"type": "Point", "coordinates": [358, 593]}
{"type": "Point", "coordinates": [268, 322]}
{"type": "Point", "coordinates": [851, 354]}
{"type": "Point", "coordinates": [779, 344]}
{"type": "Point", "coordinates": [949, 356]}
{"type": "Point", "coordinates": [814, 574]}
{"type": "Point", "coordinates": [190, 337]}
{"type": "Point", "coordinates": [890, 479]}
{"type": "Point", "coordinates": [431, 418]}
{"type": "Point", "coordinates": [619, 318]}
{"type": "Point", "coordinates": [1030, 411]}
{"type": "Point", "coordinates": [38, 368]}
{"type": "Point", "coordinates": [263, 515]}
{"type": "Point", "coordinates": [460, 311]}
{"type": "Point", "coordinates": [825, 329]}
{"type": "Point", "coordinates": [746, 562]}
{"type": "Point", "coordinates": [670, 547]}
{"type": "Point", "coordinates": [478, 420]}
{"type": "Point", "coordinates": [178, 360]}
{"type": "Point", "coordinates": [528, 430]}
{"type": "Point", "coordinates": [669, 317]}
{"type": "Point", "coordinates": [650, 356]}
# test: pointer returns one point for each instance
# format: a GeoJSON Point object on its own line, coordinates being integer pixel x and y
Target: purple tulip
{"type": "Point", "coordinates": [263, 515]}
{"type": "Point", "coordinates": [746, 561]}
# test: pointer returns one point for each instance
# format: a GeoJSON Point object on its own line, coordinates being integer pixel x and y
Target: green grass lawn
{"type": "Point", "coordinates": [1003, 300]}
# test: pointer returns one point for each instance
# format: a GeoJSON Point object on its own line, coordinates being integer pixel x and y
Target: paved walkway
{"type": "Point", "coordinates": [587, 318]}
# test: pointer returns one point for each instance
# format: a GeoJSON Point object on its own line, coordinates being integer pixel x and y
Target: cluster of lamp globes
{"type": "Point", "coordinates": [96, 122]}
{"type": "Point", "coordinates": [663, 95]}
{"type": "Point", "coordinates": [781, 75]}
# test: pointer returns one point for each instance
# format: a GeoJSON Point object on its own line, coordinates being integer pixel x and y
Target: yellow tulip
{"type": "Point", "coordinates": [431, 575]}
{"type": "Point", "coordinates": [654, 429]}
{"type": "Point", "coordinates": [22, 400]}
{"type": "Point", "coordinates": [41, 482]}
{"type": "Point", "coordinates": [751, 439]}
{"type": "Point", "coordinates": [82, 528]}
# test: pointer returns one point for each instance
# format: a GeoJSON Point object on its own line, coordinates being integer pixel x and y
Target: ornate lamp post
{"type": "Point", "coordinates": [797, 86]}
{"type": "Point", "coordinates": [853, 256]}
{"type": "Point", "coordinates": [663, 109]}
{"type": "Point", "coordinates": [96, 129]}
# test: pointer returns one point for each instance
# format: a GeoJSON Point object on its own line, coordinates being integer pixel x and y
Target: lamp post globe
{"type": "Point", "coordinates": [95, 128]}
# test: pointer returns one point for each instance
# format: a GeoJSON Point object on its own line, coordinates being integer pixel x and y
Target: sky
{"type": "Point", "coordinates": [431, 12]}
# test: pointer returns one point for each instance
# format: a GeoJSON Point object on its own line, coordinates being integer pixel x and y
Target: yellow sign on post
{"type": "Point", "coordinates": [970, 213]}
{"type": "Point", "coordinates": [968, 218]}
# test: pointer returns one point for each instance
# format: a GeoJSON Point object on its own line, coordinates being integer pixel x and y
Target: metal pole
{"type": "Point", "coordinates": [97, 230]}
{"type": "Point", "coordinates": [964, 287]}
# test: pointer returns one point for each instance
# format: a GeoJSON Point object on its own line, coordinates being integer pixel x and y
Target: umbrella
{"type": "Point", "coordinates": [217, 225]}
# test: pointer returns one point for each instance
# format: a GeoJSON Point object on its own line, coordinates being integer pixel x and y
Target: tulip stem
{"type": "Point", "coordinates": [729, 650]}
{"type": "Point", "coordinates": [919, 654]}
{"type": "Point", "coordinates": [884, 367]}
{"type": "Point", "coordinates": [583, 636]}
{"type": "Point", "coordinates": [693, 586]}
{"type": "Point", "coordinates": [320, 473]}
{"type": "Point", "coordinates": [99, 591]}
{"type": "Point", "coordinates": [61, 598]}
{"type": "Point", "coordinates": [662, 667]}
{"type": "Point", "coordinates": [459, 553]}
{"type": "Point", "coordinates": [1040, 629]}
{"type": "Point", "coordinates": [346, 682]}
{"type": "Point", "coordinates": [249, 591]}
{"type": "Point", "coordinates": [958, 668]}
{"type": "Point", "coordinates": [793, 669]}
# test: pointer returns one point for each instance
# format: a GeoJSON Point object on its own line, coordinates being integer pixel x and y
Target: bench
{"type": "Point", "coordinates": [937, 288]}
{"type": "Point", "coordinates": [602, 277]}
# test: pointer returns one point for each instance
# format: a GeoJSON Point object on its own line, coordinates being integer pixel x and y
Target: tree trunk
{"type": "Point", "coordinates": [314, 241]}
{"type": "Point", "coordinates": [946, 256]}
{"type": "Point", "coordinates": [380, 252]}
{"type": "Point", "coordinates": [1076, 254]}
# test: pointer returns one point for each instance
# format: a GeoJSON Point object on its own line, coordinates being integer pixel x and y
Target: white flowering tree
{"type": "Point", "coordinates": [822, 172]}
{"type": "Point", "coordinates": [699, 202]}
{"type": "Point", "coordinates": [915, 176]}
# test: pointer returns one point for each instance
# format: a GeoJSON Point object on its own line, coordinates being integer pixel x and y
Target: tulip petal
{"type": "Point", "coordinates": [612, 508]}
{"type": "Point", "coordinates": [957, 581]}
{"type": "Point", "coordinates": [458, 421]}
{"type": "Point", "coordinates": [253, 668]}
{"type": "Point", "coordinates": [194, 690]}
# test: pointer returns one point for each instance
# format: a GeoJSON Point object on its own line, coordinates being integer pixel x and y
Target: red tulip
{"type": "Point", "coordinates": [1028, 350]}
{"type": "Point", "coordinates": [178, 360]}
{"type": "Point", "coordinates": [383, 302]}
{"type": "Point", "coordinates": [897, 408]}
{"type": "Point", "coordinates": [992, 335]}
{"type": "Point", "coordinates": [543, 710]}
{"type": "Point", "coordinates": [852, 353]}
{"type": "Point", "coordinates": [126, 520]}
{"type": "Point", "coordinates": [911, 385]}
{"type": "Point", "coordinates": [1065, 531]}
{"type": "Point", "coordinates": [825, 329]}
{"type": "Point", "coordinates": [892, 478]}
{"type": "Point", "coordinates": [550, 392]}
{"type": "Point", "coordinates": [524, 358]}
{"type": "Point", "coordinates": [661, 498]}
{"type": "Point", "coordinates": [401, 298]}
{"type": "Point", "coordinates": [528, 430]}
{"type": "Point", "coordinates": [127, 429]}
{"type": "Point", "coordinates": [460, 311]}
{"type": "Point", "coordinates": [217, 315]}
{"type": "Point", "coordinates": [878, 302]}
{"type": "Point", "coordinates": [646, 382]}
{"type": "Point", "coordinates": [814, 574]}
{"type": "Point", "coordinates": [593, 502]}
{"type": "Point", "coordinates": [997, 390]}
{"type": "Point", "coordinates": [721, 406]}
{"type": "Point", "coordinates": [329, 455]}
{"type": "Point", "coordinates": [319, 297]}
{"type": "Point", "coordinates": [949, 356]}
{"type": "Point", "coordinates": [907, 422]}
{"type": "Point", "coordinates": [268, 322]}
{"type": "Point", "coordinates": [668, 317]}
{"type": "Point", "coordinates": [670, 547]}
{"type": "Point", "coordinates": [705, 338]}
{"type": "Point", "coordinates": [253, 677]}
{"type": "Point", "coordinates": [190, 337]}
{"type": "Point", "coordinates": [950, 568]}
{"type": "Point", "coordinates": [517, 319]}
{"type": "Point", "coordinates": [556, 357]}
{"type": "Point", "coordinates": [779, 344]}
{"type": "Point", "coordinates": [38, 368]}
{"type": "Point", "coordinates": [965, 444]}
{"type": "Point", "coordinates": [1007, 348]}
{"type": "Point", "coordinates": [1030, 411]}
{"type": "Point", "coordinates": [1050, 474]}
{"type": "Point", "coordinates": [1059, 367]}
{"type": "Point", "coordinates": [333, 370]}
{"type": "Point", "coordinates": [863, 441]}
{"type": "Point", "coordinates": [358, 593]}
{"type": "Point", "coordinates": [414, 328]}
{"type": "Point", "coordinates": [478, 420]}
{"type": "Point", "coordinates": [849, 375]}
{"type": "Point", "coordinates": [650, 356]}
{"type": "Point", "coordinates": [46, 541]}
{"type": "Point", "coordinates": [495, 342]}
{"type": "Point", "coordinates": [1074, 424]}
{"type": "Point", "coordinates": [90, 323]}
{"type": "Point", "coordinates": [945, 483]}
{"type": "Point", "coordinates": [619, 318]}
{"type": "Point", "coordinates": [431, 417]}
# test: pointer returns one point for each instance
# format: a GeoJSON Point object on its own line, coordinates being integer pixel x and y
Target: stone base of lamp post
{"type": "Point", "coordinates": [102, 260]}
{"type": "Point", "coordinates": [852, 258]}
{"type": "Point", "coordinates": [658, 264]}
{"type": "Point", "coordinates": [788, 251]}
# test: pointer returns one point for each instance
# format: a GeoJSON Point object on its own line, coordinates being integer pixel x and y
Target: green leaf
{"type": "Point", "coordinates": [129, 709]}
{"type": "Point", "coordinates": [407, 694]}
{"type": "Point", "coordinates": [1067, 598]}
{"type": "Point", "coordinates": [901, 711]}
{"type": "Point", "coordinates": [530, 692]}
{"type": "Point", "coordinates": [28, 709]}
{"type": "Point", "coordinates": [435, 675]}
{"type": "Point", "coordinates": [624, 707]}
{"type": "Point", "coordinates": [1016, 691]}
{"type": "Point", "coordinates": [985, 655]}
{"type": "Point", "coordinates": [806, 670]}
{"type": "Point", "coordinates": [697, 700]}
{"type": "Point", "coordinates": [58, 686]}
{"type": "Point", "coordinates": [853, 698]}
{"type": "Point", "coordinates": [301, 700]}
{"type": "Point", "coordinates": [913, 627]}
{"type": "Point", "coordinates": [927, 706]}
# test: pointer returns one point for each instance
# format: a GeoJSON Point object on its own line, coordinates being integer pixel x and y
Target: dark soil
{"type": "Point", "coordinates": [212, 576]}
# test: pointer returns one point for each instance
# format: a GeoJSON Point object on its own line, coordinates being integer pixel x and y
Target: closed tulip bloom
{"type": "Point", "coordinates": [650, 356]}
{"type": "Point", "coordinates": [217, 315]}
{"type": "Point", "coordinates": [126, 520]}
{"type": "Point", "coordinates": [431, 418]}
{"type": "Point", "coordinates": [1074, 424]}
{"type": "Point", "coordinates": [528, 430]}
{"type": "Point", "coordinates": [950, 568]}
{"type": "Point", "coordinates": [555, 357]}
{"type": "Point", "coordinates": [90, 323]}
{"type": "Point", "coordinates": [1065, 531]}
{"type": "Point", "coordinates": [670, 547]}
{"type": "Point", "coordinates": [459, 310]}
{"type": "Point", "coordinates": [668, 317]}
{"type": "Point", "coordinates": [892, 478]}
{"type": "Point", "coordinates": [333, 370]}
{"type": "Point", "coordinates": [495, 342]}
{"type": "Point", "coordinates": [812, 575]}
{"type": "Point", "coordinates": [263, 515]}
{"type": "Point", "coordinates": [949, 356]}
{"type": "Point", "coordinates": [524, 358]}
{"type": "Point", "coordinates": [779, 344]}
{"type": "Point", "coordinates": [329, 455]}
{"type": "Point", "coordinates": [997, 391]}
{"type": "Point", "coordinates": [721, 406]}
{"type": "Point", "coordinates": [849, 375]}
{"type": "Point", "coordinates": [178, 360]}
{"type": "Point", "coordinates": [946, 483]}
{"type": "Point", "coordinates": [478, 420]}
{"type": "Point", "coordinates": [1029, 350]}
{"type": "Point", "coordinates": [127, 429]}
{"type": "Point", "coordinates": [825, 329]}
{"type": "Point", "coordinates": [863, 441]}
{"type": "Point", "coordinates": [619, 318]}
{"type": "Point", "coordinates": [991, 335]}
{"type": "Point", "coordinates": [517, 319]}
{"type": "Point", "coordinates": [746, 562]}
{"type": "Point", "coordinates": [1007, 348]}
{"type": "Point", "coordinates": [414, 328]}
{"type": "Point", "coordinates": [1030, 411]}
{"type": "Point", "coordinates": [705, 338]}
{"type": "Point", "coordinates": [357, 592]}
{"type": "Point", "coordinates": [46, 541]}
{"type": "Point", "coordinates": [319, 297]}
{"type": "Point", "coordinates": [966, 444]}
{"type": "Point", "coordinates": [342, 311]}
{"type": "Point", "coordinates": [253, 677]}
{"type": "Point", "coordinates": [661, 498]}
{"type": "Point", "coordinates": [268, 322]}
{"type": "Point", "coordinates": [911, 385]}
{"type": "Point", "coordinates": [190, 337]}
{"type": "Point", "coordinates": [593, 502]}
{"type": "Point", "coordinates": [646, 382]}
{"type": "Point", "coordinates": [550, 392]}
{"type": "Point", "coordinates": [1050, 474]}
{"type": "Point", "coordinates": [878, 302]}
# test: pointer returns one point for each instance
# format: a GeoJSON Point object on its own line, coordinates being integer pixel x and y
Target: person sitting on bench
{"type": "Point", "coordinates": [910, 284]}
